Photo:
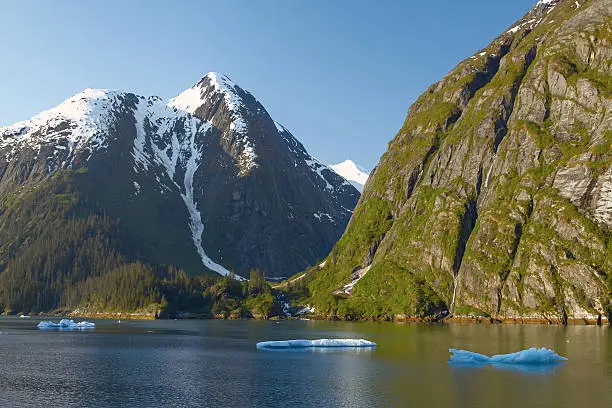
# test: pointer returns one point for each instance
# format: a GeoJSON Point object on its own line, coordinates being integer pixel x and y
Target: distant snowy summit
{"type": "Point", "coordinates": [356, 175]}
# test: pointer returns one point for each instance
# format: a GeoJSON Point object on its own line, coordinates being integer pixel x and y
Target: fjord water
{"type": "Point", "coordinates": [216, 364]}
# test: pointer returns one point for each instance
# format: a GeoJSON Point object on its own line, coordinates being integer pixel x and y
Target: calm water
{"type": "Point", "coordinates": [216, 364]}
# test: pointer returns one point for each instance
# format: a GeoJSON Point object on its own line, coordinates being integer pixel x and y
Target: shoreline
{"type": "Point", "coordinates": [475, 320]}
{"type": "Point", "coordinates": [604, 321]}
{"type": "Point", "coordinates": [403, 319]}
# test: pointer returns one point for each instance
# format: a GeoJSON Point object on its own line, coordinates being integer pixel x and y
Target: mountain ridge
{"type": "Point", "coordinates": [223, 190]}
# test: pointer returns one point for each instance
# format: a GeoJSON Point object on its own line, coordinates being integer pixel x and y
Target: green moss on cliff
{"type": "Point", "coordinates": [370, 223]}
{"type": "Point", "coordinates": [528, 251]}
{"type": "Point", "coordinates": [396, 290]}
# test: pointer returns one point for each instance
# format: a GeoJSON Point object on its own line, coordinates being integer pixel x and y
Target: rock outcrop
{"type": "Point", "coordinates": [494, 197]}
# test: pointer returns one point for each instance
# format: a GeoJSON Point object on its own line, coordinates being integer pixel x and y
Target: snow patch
{"type": "Point", "coordinates": [355, 277]}
{"type": "Point", "coordinates": [298, 278]}
{"type": "Point", "coordinates": [280, 127]}
{"type": "Point", "coordinates": [525, 24]}
{"type": "Point", "coordinates": [319, 168]}
{"type": "Point", "coordinates": [169, 138]}
{"type": "Point", "coordinates": [292, 143]}
{"type": "Point", "coordinates": [193, 156]}
{"type": "Point", "coordinates": [306, 309]}
{"type": "Point", "coordinates": [320, 215]}
{"type": "Point", "coordinates": [138, 151]}
{"type": "Point", "coordinates": [546, 2]}
{"type": "Point", "coordinates": [224, 84]}
{"type": "Point", "coordinates": [189, 100]}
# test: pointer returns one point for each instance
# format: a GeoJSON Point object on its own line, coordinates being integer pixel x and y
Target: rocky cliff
{"type": "Point", "coordinates": [495, 197]}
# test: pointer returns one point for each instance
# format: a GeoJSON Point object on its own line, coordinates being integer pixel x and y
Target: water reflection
{"type": "Point", "coordinates": [66, 328]}
{"type": "Point", "coordinates": [548, 369]}
{"type": "Point", "coordinates": [216, 363]}
{"type": "Point", "coordinates": [321, 350]}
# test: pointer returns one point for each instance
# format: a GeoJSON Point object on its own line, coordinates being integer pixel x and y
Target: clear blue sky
{"type": "Point", "coordinates": [339, 74]}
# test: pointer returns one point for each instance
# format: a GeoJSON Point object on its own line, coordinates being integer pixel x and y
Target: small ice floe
{"type": "Point", "coordinates": [530, 360]}
{"type": "Point", "coordinates": [320, 343]}
{"type": "Point", "coordinates": [66, 324]}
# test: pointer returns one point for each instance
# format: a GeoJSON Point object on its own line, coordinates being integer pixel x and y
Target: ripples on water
{"type": "Point", "coordinates": [216, 364]}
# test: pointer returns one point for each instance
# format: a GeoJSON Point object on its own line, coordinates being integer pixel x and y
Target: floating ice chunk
{"type": "Point", "coordinates": [300, 344]}
{"type": "Point", "coordinates": [532, 356]}
{"type": "Point", "coordinates": [66, 324]}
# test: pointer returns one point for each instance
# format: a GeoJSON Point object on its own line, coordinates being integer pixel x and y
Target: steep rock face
{"type": "Point", "coordinates": [218, 187]}
{"type": "Point", "coordinates": [283, 209]}
{"type": "Point", "coordinates": [494, 197]}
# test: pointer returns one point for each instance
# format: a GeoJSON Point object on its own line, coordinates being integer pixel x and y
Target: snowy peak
{"type": "Point", "coordinates": [86, 111]}
{"type": "Point", "coordinates": [80, 125]}
{"type": "Point", "coordinates": [356, 175]}
{"type": "Point", "coordinates": [205, 90]}
{"type": "Point", "coordinates": [216, 98]}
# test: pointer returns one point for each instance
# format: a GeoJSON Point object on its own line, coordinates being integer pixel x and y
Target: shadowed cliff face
{"type": "Point", "coordinates": [274, 206]}
{"type": "Point", "coordinates": [495, 197]}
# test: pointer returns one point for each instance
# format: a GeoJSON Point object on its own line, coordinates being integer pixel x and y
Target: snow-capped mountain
{"type": "Point", "coordinates": [356, 175]}
{"type": "Point", "coordinates": [205, 181]}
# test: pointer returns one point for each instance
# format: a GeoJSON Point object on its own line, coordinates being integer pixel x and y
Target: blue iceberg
{"type": "Point", "coordinates": [530, 357]}
{"type": "Point", "coordinates": [320, 343]}
{"type": "Point", "coordinates": [66, 324]}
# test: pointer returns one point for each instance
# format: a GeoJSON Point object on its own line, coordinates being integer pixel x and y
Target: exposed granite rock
{"type": "Point", "coordinates": [497, 189]}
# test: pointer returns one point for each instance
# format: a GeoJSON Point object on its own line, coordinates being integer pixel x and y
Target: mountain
{"type": "Point", "coordinates": [355, 175]}
{"type": "Point", "coordinates": [495, 197]}
{"type": "Point", "coordinates": [205, 183]}
{"type": "Point", "coordinates": [286, 206]}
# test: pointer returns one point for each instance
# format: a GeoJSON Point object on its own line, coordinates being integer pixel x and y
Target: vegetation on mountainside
{"type": "Point", "coordinates": [468, 186]}
{"type": "Point", "coordinates": [57, 254]}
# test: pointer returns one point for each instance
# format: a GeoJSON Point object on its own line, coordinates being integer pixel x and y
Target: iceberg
{"type": "Point", "coordinates": [532, 356]}
{"type": "Point", "coordinates": [66, 324]}
{"type": "Point", "coordinates": [320, 343]}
